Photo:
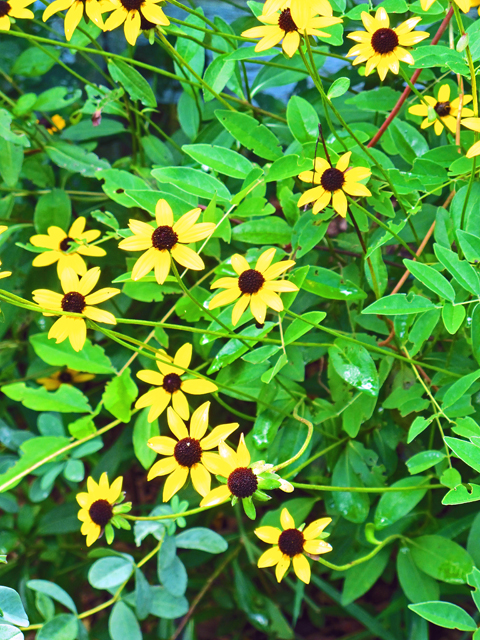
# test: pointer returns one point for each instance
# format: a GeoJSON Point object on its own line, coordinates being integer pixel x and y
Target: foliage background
{"type": "Point", "coordinates": [401, 412]}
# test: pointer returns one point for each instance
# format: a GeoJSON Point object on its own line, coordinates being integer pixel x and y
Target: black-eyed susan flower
{"type": "Point", "coordinates": [290, 545]}
{"type": "Point", "coordinates": [300, 10]}
{"type": "Point", "coordinates": [333, 183]}
{"type": "Point", "coordinates": [13, 9]}
{"type": "Point", "coordinates": [279, 27]}
{"type": "Point", "coordinates": [381, 47]}
{"type": "Point", "coordinates": [255, 287]}
{"type": "Point", "coordinates": [4, 274]}
{"type": "Point", "coordinates": [131, 13]}
{"type": "Point", "coordinates": [171, 385]}
{"type": "Point", "coordinates": [190, 453]}
{"type": "Point", "coordinates": [55, 124]}
{"type": "Point", "coordinates": [446, 111]}
{"type": "Point", "coordinates": [474, 125]}
{"type": "Point", "coordinates": [167, 241]}
{"type": "Point", "coordinates": [77, 298]}
{"type": "Point", "coordinates": [242, 480]}
{"type": "Point", "coordinates": [66, 376]}
{"type": "Point", "coordinates": [62, 247]}
{"type": "Point", "coordinates": [76, 9]}
{"type": "Point", "coordinates": [101, 509]}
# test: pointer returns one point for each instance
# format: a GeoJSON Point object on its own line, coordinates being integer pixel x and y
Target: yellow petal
{"type": "Point", "coordinates": [69, 280]}
{"type": "Point", "coordinates": [101, 295]}
{"type": "Point", "coordinates": [77, 332]}
{"type": "Point", "coordinates": [115, 490]}
{"type": "Point", "coordinates": [198, 386]}
{"type": "Point", "coordinates": [217, 435]}
{"type": "Point", "coordinates": [216, 496]}
{"type": "Point", "coordinates": [224, 283]}
{"type": "Point", "coordinates": [316, 547]}
{"type": "Point", "coordinates": [93, 534]}
{"type": "Point", "coordinates": [286, 519]}
{"type": "Point", "coordinates": [162, 468]}
{"type": "Point", "coordinates": [163, 445]}
{"type": "Point", "coordinates": [277, 269]}
{"type": "Point", "coordinates": [187, 221]}
{"type": "Point", "coordinates": [315, 528]}
{"type": "Point", "coordinates": [201, 479]}
{"type": "Point", "coordinates": [183, 357]}
{"type": "Point", "coordinates": [163, 214]}
{"type": "Point", "coordinates": [239, 308]}
{"type": "Point", "coordinates": [144, 264]}
{"type": "Point", "coordinates": [343, 161]}
{"type": "Point", "coordinates": [239, 264]}
{"type": "Point", "coordinates": [99, 315]}
{"type": "Point", "coordinates": [150, 377]}
{"type": "Point", "coordinates": [243, 454]}
{"type": "Point", "coordinates": [180, 404]}
{"type": "Point", "coordinates": [73, 17]}
{"type": "Point", "coordinates": [89, 281]}
{"type": "Point", "coordinates": [282, 567]}
{"type": "Point", "coordinates": [339, 202]}
{"type": "Point", "coordinates": [45, 259]}
{"type": "Point", "coordinates": [271, 299]}
{"type": "Point", "coordinates": [162, 266]}
{"type": "Point", "coordinates": [268, 534]}
{"type": "Point", "coordinates": [291, 42]}
{"type": "Point", "coordinates": [174, 482]}
{"type": "Point", "coordinates": [187, 257]}
{"type": "Point", "coordinates": [132, 28]}
{"type": "Point", "coordinates": [301, 567]}
{"type": "Point", "coordinates": [265, 260]}
{"type": "Point", "coordinates": [199, 421]}
{"type": "Point", "coordinates": [258, 308]}
{"type": "Point", "coordinates": [270, 557]}
{"type": "Point", "coordinates": [224, 297]}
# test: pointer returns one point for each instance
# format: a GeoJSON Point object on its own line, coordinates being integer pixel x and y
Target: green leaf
{"type": "Point", "coordinates": [62, 627]}
{"type": "Point", "coordinates": [142, 432]}
{"type": "Point", "coordinates": [338, 88]}
{"type": "Point", "coordinates": [466, 451]}
{"type": "Point", "coordinates": [462, 494]}
{"type": "Point", "coordinates": [298, 328]}
{"type": "Point", "coordinates": [470, 245]}
{"type": "Point", "coordinates": [53, 591]}
{"type": "Point", "coordinates": [221, 159]}
{"type": "Point", "coordinates": [361, 578]}
{"type": "Point", "coordinates": [174, 577]}
{"type": "Point", "coordinates": [354, 364]}
{"type": "Point", "coordinates": [302, 120]}
{"type": "Point", "coordinates": [85, 130]}
{"type": "Point", "coordinates": [416, 585]}
{"type": "Point", "coordinates": [250, 134]}
{"type": "Point", "coordinates": [91, 359]}
{"type": "Point", "coordinates": [11, 608]}
{"type": "Point", "coordinates": [286, 167]}
{"type": "Point", "coordinates": [424, 460]}
{"type": "Point", "coordinates": [263, 231]}
{"type": "Point", "coordinates": [7, 134]}
{"type": "Point", "coordinates": [399, 304]}
{"type": "Point", "coordinates": [417, 427]}
{"type": "Point", "coordinates": [432, 279]}
{"type": "Point", "coordinates": [109, 572]}
{"type": "Point", "coordinates": [11, 161]}
{"type": "Point", "coordinates": [453, 318]}
{"type": "Point", "coordinates": [201, 539]}
{"type": "Point", "coordinates": [441, 558]}
{"type": "Point", "coordinates": [381, 99]}
{"type": "Point", "coordinates": [166, 606]}
{"type": "Point", "coordinates": [34, 62]}
{"type": "Point", "coordinates": [330, 285]}
{"type": "Point", "coordinates": [408, 140]}
{"type": "Point", "coordinates": [7, 632]}
{"type": "Point", "coordinates": [352, 506]}
{"type": "Point", "coordinates": [133, 82]}
{"type": "Point", "coordinates": [217, 75]}
{"type": "Point", "coordinates": [52, 209]}
{"type": "Point", "coordinates": [193, 181]}
{"type": "Point", "coordinates": [394, 505]}
{"type": "Point", "coordinates": [76, 159]}
{"type": "Point", "coordinates": [459, 388]}
{"type": "Point", "coordinates": [143, 595]}
{"type": "Point", "coordinates": [462, 271]}
{"type": "Point", "coordinates": [445, 614]}
{"type": "Point", "coordinates": [119, 394]}
{"type": "Point", "coordinates": [66, 399]}
{"type": "Point", "coordinates": [123, 624]}
{"type": "Point", "coordinates": [475, 328]}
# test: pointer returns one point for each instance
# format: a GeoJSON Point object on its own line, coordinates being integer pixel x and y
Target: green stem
{"type": "Point", "coordinates": [170, 516]}
{"type": "Point", "coordinates": [329, 488]}
{"type": "Point", "coordinates": [309, 425]}
{"type": "Point", "coordinates": [369, 556]}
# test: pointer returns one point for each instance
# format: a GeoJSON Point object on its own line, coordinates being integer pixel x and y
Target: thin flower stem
{"type": "Point", "coordinates": [368, 259]}
{"type": "Point", "coordinates": [329, 488]}
{"type": "Point", "coordinates": [302, 449]}
{"type": "Point", "coordinates": [317, 455]}
{"type": "Point", "coordinates": [170, 516]}
{"type": "Point", "coordinates": [369, 556]}
{"type": "Point", "coordinates": [235, 412]}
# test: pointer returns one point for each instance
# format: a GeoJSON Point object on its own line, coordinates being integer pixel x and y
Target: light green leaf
{"type": "Point", "coordinates": [445, 614]}
{"type": "Point", "coordinates": [66, 399]}
{"type": "Point", "coordinates": [133, 82]}
{"type": "Point", "coordinates": [119, 394]}
{"type": "Point", "coordinates": [91, 359]}
{"type": "Point", "coordinates": [251, 134]}
{"type": "Point", "coordinates": [431, 278]}
{"type": "Point", "coordinates": [441, 558]}
{"type": "Point", "coordinates": [399, 304]}
{"type": "Point", "coordinates": [221, 159]}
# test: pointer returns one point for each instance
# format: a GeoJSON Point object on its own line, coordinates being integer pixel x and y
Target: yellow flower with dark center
{"type": "Point", "coordinates": [190, 453]}
{"type": "Point", "coordinates": [55, 124]}
{"type": "Point", "coordinates": [381, 47]}
{"type": "Point", "coordinates": [76, 9]}
{"type": "Point", "coordinates": [446, 111]}
{"type": "Point", "coordinates": [474, 125]}
{"type": "Point", "coordinates": [4, 274]}
{"type": "Point", "coordinates": [170, 385]}
{"type": "Point", "coordinates": [255, 287]}
{"type": "Point", "coordinates": [135, 15]}
{"type": "Point", "coordinates": [97, 506]}
{"type": "Point", "coordinates": [59, 248]}
{"type": "Point", "coordinates": [66, 376]}
{"type": "Point", "coordinates": [165, 242]}
{"type": "Point", "coordinates": [77, 298]}
{"type": "Point", "coordinates": [281, 26]}
{"type": "Point", "coordinates": [334, 183]}
{"type": "Point", "coordinates": [290, 545]}
{"type": "Point", "coordinates": [242, 482]}
{"type": "Point", "coordinates": [300, 10]}
{"type": "Point", "coordinates": [13, 9]}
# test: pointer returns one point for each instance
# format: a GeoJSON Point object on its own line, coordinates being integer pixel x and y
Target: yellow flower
{"type": "Point", "coordinates": [56, 123]}
{"type": "Point", "coordinates": [66, 376]}
{"type": "Point", "coordinates": [170, 385]}
{"type": "Point", "coordinates": [189, 453]}
{"type": "Point", "coordinates": [333, 183]}
{"type": "Point", "coordinates": [446, 111]}
{"type": "Point", "coordinates": [58, 244]}
{"type": "Point", "coordinates": [290, 544]}
{"type": "Point", "coordinates": [381, 47]}
{"type": "Point", "coordinates": [135, 15]}
{"type": "Point", "coordinates": [473, 3]}
{"type": "Point", "coordinates": [75, 13]}
{"type": "Point", "coordinates": [4, 274]}
{"type": "Point", "coordinates": [465, 5]}
{"type": "Point", "coordinates": [242, 482]}
{"type": "Point", "coordinates": [13, 9]}
{"type": "Point", "coordinates": [281, 26]}
{"type": "Point", "coordinates": [255, 286]}
{"type": "Point", "coordinates": [474, 125]}
{"type": "Point", "coordinates": [300, 10]}
{"type": "Point", "coordinates": [167, 241]}
{"type": "Point", "coordinates": [97, 506]}
{"type": "Point", "coordinates": [76, 299]}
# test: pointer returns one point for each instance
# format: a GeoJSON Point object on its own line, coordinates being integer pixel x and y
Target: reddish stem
{"type": "Point", "coordinates": [407, 90]}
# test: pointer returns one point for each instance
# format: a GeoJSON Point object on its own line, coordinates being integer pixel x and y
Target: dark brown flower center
{"type": "Point", "coordinates": [146, 25]}
{"type": "Point", "coordinates": [187, 452]}
{"type": "Point", "coordinates": [66, 377]}
{"type": "Point", "coordinates": [384, 40]}
{"type": "Point", "coordinates": [286, 23]}
{"type": "Point", "coordinates": [132, 5]}
{"type": "Point", "coordinates": [4, 8]}
{"type": "Point", "coordinates": [101, 512]}
{"type": "Point", "coordinates": [164, 238]}
{"type": "Point", "coordinates": [242, 482]}
{"type": "Point", "coordinates": [291, 542]}
{"type": "Point", "coordinates": [442, 109]}
{"type": "Point", "coordinates": [251, 281]}
{"type": "Point", "coordinates": [66, 242]}
{"type": "Point", "coordinates": [332, 179]}
{"type": "Point", "coordinates": [172, 382]}
{"type": "Point", "coordinates": [74, 302]}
